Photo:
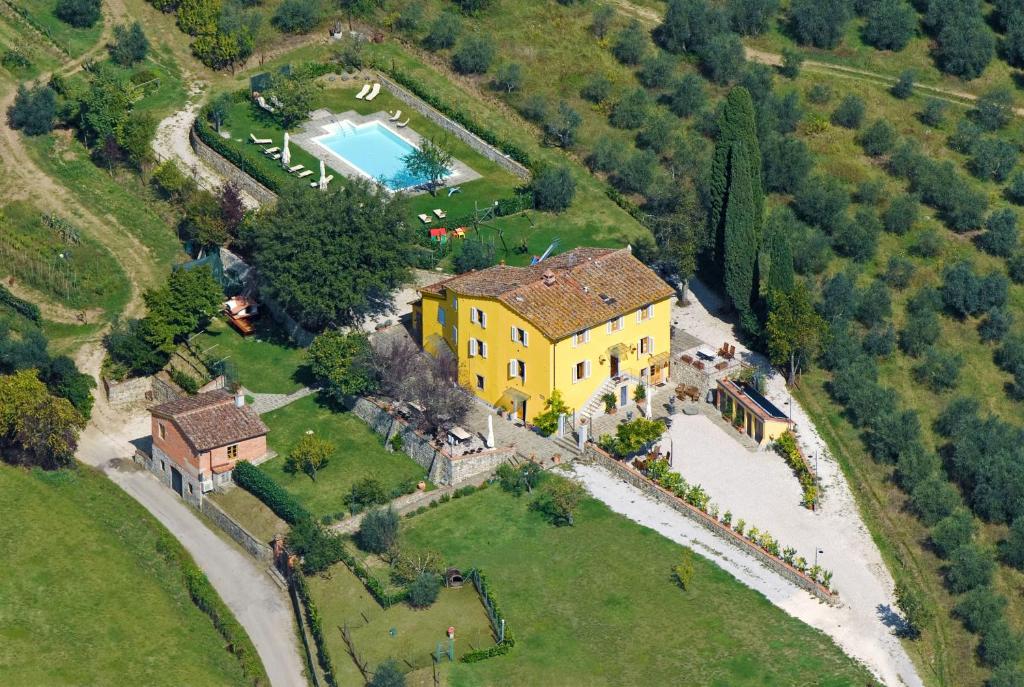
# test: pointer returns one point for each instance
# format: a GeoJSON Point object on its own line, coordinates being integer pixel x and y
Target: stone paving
{"type": "Point", "coordinates": [265, 403]}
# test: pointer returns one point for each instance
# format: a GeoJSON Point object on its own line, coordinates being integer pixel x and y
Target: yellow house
{"type": "Point", "coordinates": [589, 322]}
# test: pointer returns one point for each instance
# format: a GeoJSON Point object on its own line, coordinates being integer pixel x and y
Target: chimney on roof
{"type": "Point", "coordinates": [239, 399]}
{"type": "Point", "coordinates": [549, 278]}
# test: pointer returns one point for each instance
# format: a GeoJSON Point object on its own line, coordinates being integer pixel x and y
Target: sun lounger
{"type": "Point", "coordinates": [296, 168]}
{"type": "Point", "coordinates": [260, 141]}
{"type": "Point", "coordinates": [396, 116]}
{"type": "Point", "coordinates": [362, 93]}
{"type": "Point", "coordinates": [327, 180]}
{"type": "Point", "coordinates": [271, 151]}
{"type": "Point", "coordinates": [453, 190]}
{"type": "Point", "coordinates": [373, 92]}
{"type": "Point", "coordinates": [303, 175]}
{"type": "Point", "coordinates": [263, 104]}
{"type": "Point", "coordinates": [275, 156]}
{"type": "Point", "coordinates": [424, 218]}
{"type": "Point", "coordinates": [401, 124]}
{"type": "Point", "coordinates": [441, 214]}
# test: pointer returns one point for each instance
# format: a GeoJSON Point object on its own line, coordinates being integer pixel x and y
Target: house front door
{"type": "Point", "coordinates": [176, 481]}
{"type": "Point", "coordinates": [614, 365]}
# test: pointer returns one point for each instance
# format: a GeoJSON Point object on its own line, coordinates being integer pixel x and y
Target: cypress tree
{"type": "Point", "coordinates": [775, 259]}
{"type": "Point", "coordinates": [737, 202]}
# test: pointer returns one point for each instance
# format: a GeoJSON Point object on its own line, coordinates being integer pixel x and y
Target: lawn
{"type": "Point", "coordinates": [99, 602]}
{"type": "Point", "coordinates": [250, 512]}
{"type": "Point", "coordinates": [12, 38]}
{"type": "Point", "coordinates": [264, 362]}
{"type": "Point", "coordinates": [342, 600]}
{"type": "Point", "coordinates": [595, 604]}
{"type": "Point", "coordinates": [359, 453]}
{"type": "Point", "coordinates": [74, 41]}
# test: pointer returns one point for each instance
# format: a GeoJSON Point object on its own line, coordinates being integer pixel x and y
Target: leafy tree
{"type": "Point", "coordinates": [431, 161]}
{"type": "Point", "coordinates": [994, 109]}
{"type": "Point", "coordinates": [939, 370]}
{"type": "Point", "coordinates": [557, 499]}
{"type": "Point", "coordinates": [952, 532]}
{"type": "Point", "coordinates": [1000, 645]}
{"type": "Point", "coordinates": [338, 362]}
{"type": "Point", "coordinates": [36, 428]}
{"type": "Point", "coordinates": [297, 16]}
{"type": "Point", "coordinates": [723, 57]}
{"type": "Point", "coordinates": [364, 493]}
{"type": "Point", "coordinates": [820, 23]}
{"type": "Point", "coordinates": [34, 110]}
{"type": "Point", "coordinates": [475, 255]}
{"type": "Point", "coordinates": [203, 222]}
{"type": "Point", "coordinates": [656, 134]}
{"type": "Point", "coordinates": [474, 55]}
{"type": "Point", "coordinates": [996, 325]}
{"type": "Point", "coordinates": [899, 271]}
{"type": "Point", "coordinates": [1006, 675]}
{"type": "Point", "coordinates": [933, 499]}
{"type": "Point", "coordinates": [821, 201]}
{"type": "Point", "coordinates": [632, 437]}
{"type": "Point", "coordinates": [636, 172]}
{"type": "Point", "coordinates": [752, 17]}
{"type": "Point", "coordinates": [309, 455]}
{"type": "Point", "coordinates": [607, 154]}
{"type": "Point", "coordinates": [130, 44]}
{"type": "Point", "coordinates": [878, 139]}
{"type": "Point", "coordinates": [890, 25]}
{"type": "Point", "coordinates": [970, 567]}
{"type": "Point", "coordinates": [546, 422]}
{"type": "Point", "coordinates": [901, 215]}
{"type": "Point", "coordinates": [916, 613]}
{"type": "Point", "coordinates": [184, 305]}
{"type": "Point", "coordinates": [993, 158]}
{"type": "Point", "coordinates": [443, 32]}
{"type": "Point", "coordinates": [850, 112]}
{"type": "Point", "coordinates": [1011, 549]}
{"type": "Point", "coordinates": [295, 97]}
{"type": "Point", "coordinates": [388, 674]}
{"type": "Point", "coordinates": [319, 548]}
{"type": "Point", "coordinates": [509, 77]}
{"type": "Point", "coordinates": [553, 188]}
{"type": "Point", "coordinates": [1000, 237]}
{"type": "Point", "coordinates": [631, 110]}
{"type": "Point", "coordinates": [78, 13]}
{"type": "Point", "coordinates": [378, 531]}
{"type": "Point", "coordinates": [601, 20]}
{"type": "Point", "coordinates": [597, 90]}
{"type": "Point", "coordinates": [775, 260]}
{"type": "Point", "coordinates": [792, 61]}
{"type": "Point", "coordinates": [561, 126]}
{"type": "Point", "coordinates": [520, 479]}
{"type": "Point", "coordinates": [1013, 41]}
{"type": "Point", "coordinates": [410, 18]}
{"type": "Point", "coordinates": [630, 43]}
{"type": "Point", "coordinates": [308, 234]}
{"type": "Point", "coordinates": [656, 70]}
{"type": "Point", "coordinates": [689, 25]}
{"type": "Point", "coordinates": [934, 112]}
{"type": "Point", "coordinates": [786, 162]}
{"type": "Point", "coordinates": [794, 330]}
{"type": "Point", "coordinates": [980, 608]}
{"type": "Point", "coordinates": [424, 589]}
{"type": "Point", "coordinates": [688, 97]}
{"type": "Point", "coordinates": [535, 108]}
{"type": "Point", "coordinates": [965, 46]}
{"type": "Point", "coordinates": [140, 345]}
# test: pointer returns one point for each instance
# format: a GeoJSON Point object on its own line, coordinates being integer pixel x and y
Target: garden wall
{"type": "Point", "coordinates": [259, 192]}
{"type": "Point", "coordinates": [133, 390]}
{"type": "Point", "coordinates": [245, 539]}
{"type": "Point", "coordinates": [295, 331]}
{"type": "Point", "coordinates": [472, 140]}
{"type": "Point", "coordinates": [594, 454]}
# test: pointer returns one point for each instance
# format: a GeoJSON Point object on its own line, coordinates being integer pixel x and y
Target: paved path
{"type": "Point", "coordinates": [265, 403]}
{"type": "Point", "coordinates": [259, 605]}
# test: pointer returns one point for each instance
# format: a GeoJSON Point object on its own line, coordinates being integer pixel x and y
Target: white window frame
{"type": "Point", "coordinates": [517, 369]}
{"type": "Point", "coordinates": [585, 333]}
{"type": "Point", "coordinates": [472, 315]}
{"type": "Point", "coordinates": [575, 371]}
{"type": "Point", "coordinates": [645, 342]}
{"type": "Point", "coordinates": [455, 335]}
{"type": "Point", "coordinates": [616, 324]}
{"type": "Point", "coordinates": [455, 303]}
{"type": "Point", "coordinates": [520, 336]}
{"type": "Point", "coordinates": [645, 313]}
{"type": "Point", "coordinates": [472, 346]}
{"type": "Point", "coordinates": [481, 348]}
{"type": "Point", "coordinates": [481, 318]}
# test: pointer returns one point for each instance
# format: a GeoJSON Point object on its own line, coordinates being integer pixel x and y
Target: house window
{"type": "Point", "coordinates": [520, 336]}
{"type": "Point", "coordinates": [580, 338]}
{"type": "Point", "coordinates": [478, 316]}
{"type": "Point", "coordinates": [472, 345]}
{"type": "Point", "coordinates": [190, 488]}
{"type": "Point", "coordinates": [580, 370]}
{"type": "Point", "coordinates": [455, 303]}
{"type": "Point", "coordinates": [455, 334]}
{"type": "Point", "coordinates": [481, 347]}
{"type": "Point", "coordinates": [233, 452]}
{"type": "Point", "coordinates": [440, 315]}
{"type": "Point", "coordinates": [645, 313]}
{"type": "Point", "coordinates": [163, 466]}
{"type": "Point", "coordinates": [616, 325]}
{"type": "Point", "coordinates": [480, 382]}
{"type": "Point", "coordinates": [161, 430]}
{"type": "Point", "coordinates": [646, 345]}
{"type": "Point", "coordinates": [517, 370]}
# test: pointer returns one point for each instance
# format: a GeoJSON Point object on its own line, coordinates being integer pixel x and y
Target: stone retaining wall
{"type": "Point", "coordinates": [295, 331]}
{"type": "Point", "coordinates": [259, 192]}
{"type": "Point", "coordinates": [245, 539]}
{"type": "Point", "coordinates": [472, 140]}
{"type": "Point", "coordinates": [593, 454]}
{"type": "Point", "coordinates": [133, 390]}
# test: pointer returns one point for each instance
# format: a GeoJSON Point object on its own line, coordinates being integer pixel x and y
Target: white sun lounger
{"type": "Point", "coordinates": [271, 151]}
{"type": "Point", "coordinates": [401, 124]}
{"type": "Point", "coordinates": [424, 218]}
{"type": "Point", "coordinates": [260, 141]}
{"type": "Point", "coordinates": [327, 180]}
{"type": "Point", "coordinates": [441, 214]}
{"type": "Point", "coordinates": [396, 117]}
{"type": "Point", "coordinates": [275, 156]}
{"type": "Point", "coordinates": [303, 175]}
{"type": "Point", "coordinates": [362, 93]}
{"type": "Point", "coordinates": [373, 92]}
{"type": "Point", "coordinates": [296, 168]}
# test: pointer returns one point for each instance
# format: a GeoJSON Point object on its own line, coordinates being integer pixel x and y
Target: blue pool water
{"type": "Point", "coordinates": [376, 151]}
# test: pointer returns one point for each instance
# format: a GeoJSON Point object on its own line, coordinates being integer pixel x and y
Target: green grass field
{"type": "Point", "coordinates": [264, 362]}
{"type": "Point", "coordinates": [595, 604]}
{"type": "Point", "coordinates": [75, 41]}
{"type": "Point", "coordinates": [89, 598]}
{"type": "Point", "coordinates": [359, 453]}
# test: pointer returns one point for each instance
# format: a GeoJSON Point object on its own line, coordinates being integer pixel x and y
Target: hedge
{"type": "Point", "coordinates": [372, 584]}
{"type": "Point", "coordinates": [501, 648]}
{"type": "Point", "coordinates": [316, 628]}
{"type": "Point", "coordinates": [18, 305]}
{"type": "Point", "coordinates": [210, 137]}
{"type": "Point", "coordinates": [260, 485]}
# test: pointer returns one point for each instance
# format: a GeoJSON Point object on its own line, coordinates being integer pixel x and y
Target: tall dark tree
{"type": "Point", "coordinates": [775, 259]}
{"type": "Point", "coordinates": [34, 110]}
{"type": "Point", "coordinates": [689, 25]}
{"type": "Point", "coordinates": [130, 44]}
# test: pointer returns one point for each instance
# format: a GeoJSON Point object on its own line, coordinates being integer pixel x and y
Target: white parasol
{"type": "Point", "coordinates": [286, 155]}
{"type": "Point", "coordinates": [490, 431]}
{"type": "Point", "coordinates": [323, 176]}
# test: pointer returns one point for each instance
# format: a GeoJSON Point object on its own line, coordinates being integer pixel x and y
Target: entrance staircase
{"type": "Point", "coordinates": [594, 405]}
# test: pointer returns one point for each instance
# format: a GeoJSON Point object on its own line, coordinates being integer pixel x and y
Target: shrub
{"type": "Point", "coordinates": [878, 139]}
{"type": "Point", "coordinates": [850, 112]}
{"type": "Point", "coordinates": [263, 487]}
{"type": "Point", "coordinates": [970, 566]}
{"type": "Point", "coordinates": [188, 383]}
{"type": "Point", "coordinates": [996, 325]}
{"type": "Point", "coordinates": [631, 110]}
{"type": "Point", "coordinates": [474, 255]}
{"type": "Point", "coordinates": [994, 109]}
{"type": "Point", "coordinates": [547, 421]}
{"type": "Point", "coordinates": [630, 43]}
{"type": "Point", "coordinates": [318, 548]}
{"type": "Point", "coordinates": [474, 55]}
{"type": "Point", "coordinates": [656, 134]}
{"type": "Point", "coordinates": [410, 18]}
{"type": "Point", "coordinates": [904, 86]}
{"type": "Point", "coordinates": [443, 31]}
{"type": "Point", "coordinates": [992, 159]}
{"type": "Point", "coordinates": [632, 437]}
{"type": "Point", "coordinates": [656, 70]}
{"type": "Point", "coordinates": [388, 674]}
{"type": "Point", "coordinates": [424, 589]}
{"type": "Point", "coordinates": [297, 16]}
{"type": "Point", "coordinates": [934, 113]}
{"type": "Point", "coordinates": [78, 13]}
{"type": "Point", "coordinates": [597, 89]}
{"type": "Point", "coordinates": [378, 531]}
{"type": "Point", "coordinates": [952, 532]}
{"type": "Point", "coordinates": [34, 111]}
{"type": "Point", "coordinates": [933, 499]}
{"type": "Point", "coordinates": [557, 499]}
{"type": "Point", "coordinates": [980, 608]}
{"type": "Point", "coordinates": [857, 237]}
{"type": "Point", "coordinates": [535, 108]}
{"type": "Point", "coordinates": [898, 272]}
{"type": "Point", "coordinates": [819, 22]}
{"type": "Point", "coordinates": [365, 493]}
{"type": "Point", "coordinates": [901, 214]}
{"type": "Point", "coordinates": [890, 24]}
{"type": "Point", "coordinates": [1011, 549]}
{"type": "Point", "coordinates": [1000, 645]}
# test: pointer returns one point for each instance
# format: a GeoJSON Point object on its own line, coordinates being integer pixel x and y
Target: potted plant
{"type": "Point", "coordinates": [609, 403]}
{"type": "Point", "coordinates": [727, 518]}
{"type": "Point", "coordinates": [639, 393]}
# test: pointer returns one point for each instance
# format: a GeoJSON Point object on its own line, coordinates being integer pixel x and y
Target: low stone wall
{"type": "Point", "coordinates": [297, 334]}
{"type": "Point", "coordinates": [164, 389]}
{"type": "Point", "coordinates": [245, 539]}
{"type": "Point", "coordinates": [472, 140]}
{"type": "Point", "coordinates": [135, 390]}
{"type": "Point", "coordinates": [593, 454]}
{"type": "Point", "coordinates": [259, 192]}
{"type": "Point", "coordinates": [469, 465]}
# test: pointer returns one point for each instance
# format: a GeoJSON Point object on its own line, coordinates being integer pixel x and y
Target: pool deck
{"type": "Point", "coordinates": [318, 125]}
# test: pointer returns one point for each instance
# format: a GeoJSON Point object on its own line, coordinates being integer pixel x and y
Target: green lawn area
{"type": "Point", "coordinates": [75, 41]}
{"type": "Point", "coordinates": [342, 600]}
{"type": "Point", "coordinates": [359, 453]}
{"type": "Point", "coordinates": [12, 38]}
{"type": "Point", "coordinates": [264, 362]}
{"type": "Point", "coordinates": [250, 512]}
{"type": "Point", "coordinates": [595, 604]}
{"type": "Point", "coordinates": [88, 597]}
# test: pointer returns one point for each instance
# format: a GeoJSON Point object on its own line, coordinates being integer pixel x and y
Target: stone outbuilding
{"type": "Point", "coordinates": [197, 440]}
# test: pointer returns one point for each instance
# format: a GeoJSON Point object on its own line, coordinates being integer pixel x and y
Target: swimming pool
{"type": "Point", "coordinates": [374, 150]}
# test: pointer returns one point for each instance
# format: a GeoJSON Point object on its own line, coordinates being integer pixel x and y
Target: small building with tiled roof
{"type": "Point", "coordinates": [197, 440]}
{"type": "Point", "coordinates": [588, 322]}
{"type": "Point", "coordinates": [750, 412]}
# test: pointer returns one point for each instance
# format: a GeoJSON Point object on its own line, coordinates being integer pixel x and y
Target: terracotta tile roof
{"type": "Point", "coordinates": [210, 420]}
{"type": "Point", "coordinates": [566, 293]}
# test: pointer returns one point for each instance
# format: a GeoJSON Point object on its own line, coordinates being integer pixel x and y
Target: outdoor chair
{"type": "Point", "coordinates": [362, 93]}
{"type": "Point", "coordinates": [306, 173]}
{"type": "Point", "coordinates": [402, 124]}
{"type": "Point", "coordinates": [686, 358]}
{"type": "Point", "coordinates": [260, 141]}
{"type": "Point", "coordinates": [271, 151]}
{"type": "Point", "coordinates": [424, 218]}
{"type": "Point", "coordinates": [295, 168]}
{"type": "Point", "coordinates": [395, 117]}
{"type": "Point", "coordinates": [373, 92]}
{"type": "Point", "coordinates": [441, 214]}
